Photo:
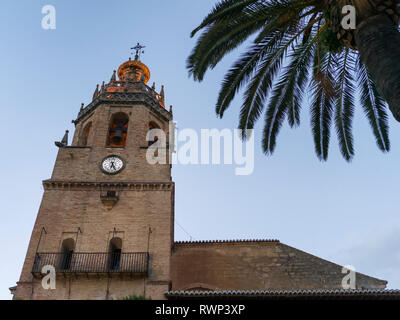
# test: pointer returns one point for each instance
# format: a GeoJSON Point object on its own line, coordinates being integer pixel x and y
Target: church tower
{"type": "Point", "coordinates": [106, 220]}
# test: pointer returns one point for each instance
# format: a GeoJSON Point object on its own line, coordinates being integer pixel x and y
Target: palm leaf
{"type": "Point", "coordinates": [323, 96]}
{"type": "Point", "coordinates": [345, 106]}
{"type": "Point", "coordinates": [244, 68]}
{"type": "Point", "coordinates": [374, 107]}
{"type": "Point", "coordinates": [221, 38]}
{"type": "Point", "coordinates": [260, 85]}
{"type": "Point", "coordinates": [284, 99]}
{"type": "Point", "coordinates": [222, 11]}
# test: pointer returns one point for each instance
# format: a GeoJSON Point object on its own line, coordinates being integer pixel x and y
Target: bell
{"type": "Point", "coordinates": [117, 137]}
{"type": "Point", "coordinates": [118, 130]}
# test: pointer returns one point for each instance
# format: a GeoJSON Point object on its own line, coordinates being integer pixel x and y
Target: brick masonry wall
{"type": "Point", "coordinates": [82, 288]}
{"type": "Point", "coordinates": [72, 200]}
{"type": "Point", "coordinates": [255, 266]}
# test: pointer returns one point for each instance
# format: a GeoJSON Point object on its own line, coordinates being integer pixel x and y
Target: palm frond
{"type": "Point", "coordinates": [260, 85]}
{"type": "Point", "coordinates": [220, 38]}
{"type": "Point", "coordinates": [374, 107]}
{"type": "Point", "coordinates": [323, 96]}
{"type": "Point", "coordinates": [302, 59]}
{"type": "Point", "coordinates": [258, 90]}
{"type": "Point", "coordinates": [224, 10]}
{"type": "Point", "coordinates": [286, 98]}
{"type": "Point", "coordinates": [345, 105]}
{"type": "Point", "coordinates": [245, 67]}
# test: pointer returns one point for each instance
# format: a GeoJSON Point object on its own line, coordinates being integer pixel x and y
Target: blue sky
{"type": "Point", "coordinates": [343, 212]}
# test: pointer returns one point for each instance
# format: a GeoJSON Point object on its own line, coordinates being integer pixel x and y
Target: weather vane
{"type": "Point", "coordinates": [138, 48]}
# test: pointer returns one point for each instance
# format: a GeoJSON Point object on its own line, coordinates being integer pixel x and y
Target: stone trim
{"type": "Point", "coordinates": [78, 147]}
{"type": "Point", "coordinates": [124, 98]}
{"type": "Point", "coordinates": [109, 185]}
{"type": "Point", "coordinates": [158, 282]}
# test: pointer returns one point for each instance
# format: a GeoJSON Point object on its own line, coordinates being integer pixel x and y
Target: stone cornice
{"type": "Point", "coordinates": [109, 185]}
{"type": "Point", "coordinates": [143, 97]}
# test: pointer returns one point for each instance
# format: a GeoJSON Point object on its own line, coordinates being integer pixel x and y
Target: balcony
{"type": "Point", "coordinates": [131, 263]}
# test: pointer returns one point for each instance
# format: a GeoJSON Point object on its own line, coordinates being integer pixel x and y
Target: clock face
{"type": "Point", "coordinates": [112, 164]}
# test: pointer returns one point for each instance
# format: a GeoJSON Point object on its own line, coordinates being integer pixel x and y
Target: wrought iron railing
{"type": "Point", "coordinates": [129, 262]}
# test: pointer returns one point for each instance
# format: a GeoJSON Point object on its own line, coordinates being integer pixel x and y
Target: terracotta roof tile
{"type": "Point", "coordinates": [226, 241]}
{"type": "Point", "coordinates": [332, 292]}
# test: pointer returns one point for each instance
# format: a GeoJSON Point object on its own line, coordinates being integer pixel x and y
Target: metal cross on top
{"type": "Point", "coordinates": [138, 48]}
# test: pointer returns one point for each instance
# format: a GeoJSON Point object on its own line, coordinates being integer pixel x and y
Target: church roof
{"type": "Point", "coordinates": [334, 293]}
{"type": "Point", "coordinates": [226, 241]}
{"type": "Point", "coordinates": [256, 265]}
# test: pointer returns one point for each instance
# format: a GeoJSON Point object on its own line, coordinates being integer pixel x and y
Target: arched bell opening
{"type": "Point", "coordinates": [83, 139]}
{"type": "Point", "coordinates": [153, 136]}
{"type": "Point", "coordinates": [118, 130]}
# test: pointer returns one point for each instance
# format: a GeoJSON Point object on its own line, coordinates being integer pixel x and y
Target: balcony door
{"type": "Point", "coordinates": [114, 260]}
{"type": "Point", "coordinates": [67, 250]}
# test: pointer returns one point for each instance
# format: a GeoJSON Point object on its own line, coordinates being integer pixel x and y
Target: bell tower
{"type": "Point", "coordinates": [106, 220]}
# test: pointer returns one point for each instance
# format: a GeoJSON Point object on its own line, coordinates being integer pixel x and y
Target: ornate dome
{"type": "Point", "coordinates": [133, 70]}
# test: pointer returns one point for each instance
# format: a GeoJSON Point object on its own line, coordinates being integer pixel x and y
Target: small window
{"type": "Point", "coordinates": [111, 194]}
{"type": "Point", "coordinates": [118, 130]}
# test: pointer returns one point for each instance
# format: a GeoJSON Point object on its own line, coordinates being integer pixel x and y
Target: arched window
{"type": "Point", "coordinates": [153, 136]}
{"type": "Point", "coordinates": [85, 135]}
{"type": "Point", "coordinates": [118, 130]}
{"type": "Point", "coordinates": [115, 253]}
{"type": "Point", "coordinates": [67, 250]}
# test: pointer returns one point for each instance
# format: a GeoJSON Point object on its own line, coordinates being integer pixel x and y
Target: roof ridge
{"type": "Point", "coordinates": [226, 241]}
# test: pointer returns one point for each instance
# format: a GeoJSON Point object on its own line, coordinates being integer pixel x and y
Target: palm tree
{"type": "Point", "coordinates": [300, 46]}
